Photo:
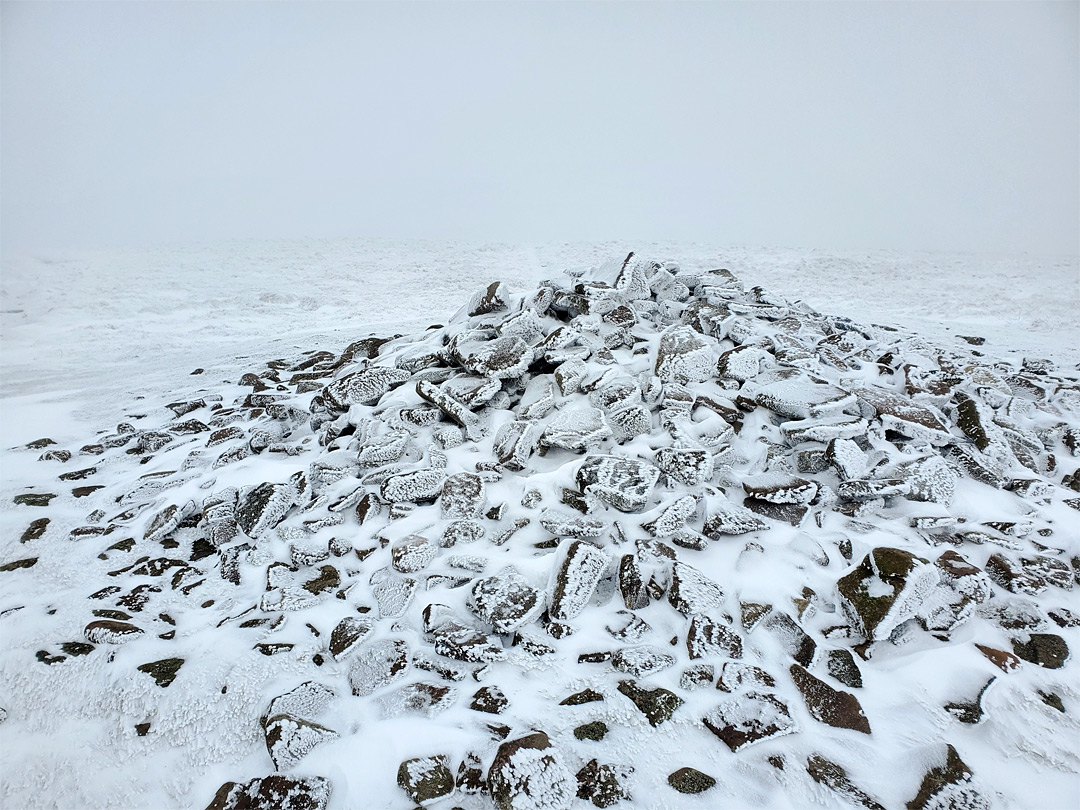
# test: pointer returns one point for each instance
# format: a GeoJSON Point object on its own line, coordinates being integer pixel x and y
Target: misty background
{"type": "Point", "coordinates": [916, 126]}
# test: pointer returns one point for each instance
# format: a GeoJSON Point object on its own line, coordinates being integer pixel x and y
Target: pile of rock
{"type": "Point", "coordinates": [588, 480]}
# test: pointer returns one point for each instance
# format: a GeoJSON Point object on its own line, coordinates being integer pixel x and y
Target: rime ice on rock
{"type": "Point", "coordinates": [727, 518]}
{"type": "Point", "coordinates": [528, 774]}
{"type": "Point", "coordinates": [691, 591]}
{"type": "Point", "coordinates": [576, 580]}
{"type": "Point", "coordinates": [683, 356]}
{"type": "Point", "coordinates": [622, 482]}
{"type": "Point", "coordinates": [575, 429]}
{"type": "Point", "coordinates": [462, 496]}
{"type": "Point", "coordinates": [261, 508]}
{"type": "Point", "coordinates": [515, 442]}
{"type": "Point", "coordinates": [380, 663]}
{"type": "Point", "coordinates": [640, 661]}
{"type": "Point", "coordinates": [686, 465]}
{"type": "Point", "coordinates": [562, 524]}
{"type": "Point", "coordinates": [747, 718]}
{"type": "Point", "coordinates": [274, 792]}
{"type": "Point", "coordinates": [800, 398]}
{"type": "Point", "coordinates": [392, 591]}
{"type": "Point", "coordinates": [506, 601]}
{"type": "Point", "coordinates": [289, 739]}
{"type": "Point", "coordinates": [421, 485]}
{"type": "Point", "coordinates": [886, 589]}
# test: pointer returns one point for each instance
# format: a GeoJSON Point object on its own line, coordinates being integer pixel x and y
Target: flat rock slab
{"type": "Point", "coordinates": [622, 482]}
{"type": "Point", "coordinates": [748, 718]}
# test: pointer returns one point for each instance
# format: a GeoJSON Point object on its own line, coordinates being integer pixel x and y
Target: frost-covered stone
{"type": "Point", "coordinates": [506, 601]}
{"type": "Point", "coordinates": [462, 496]}
{"type": "Point", "coordinates": [111, 631]}
{"type": "Point", "coordinates": [799, 397]}
{"type": "Point", "coordinates": [576, 429]}
{"type": "Point", "coordinates": [263, 507]}
{"type": "Point", "coordinates": [683, 356]}
{"type": "Point", "coordinates": [692, 592]}
{"type": "Point", "coordinates": [576, 579]}
{"type": "Point", "coordinates": [562, 524]}
{"type": "Point", "coordinates": [455, 639]}
{"type": "Point", "coordinates": [274, 792]}
{"type": "Point", "coordinates": [528, 774]}
{"type": "Point", "coordinates": [381, 663]}
{"type": "Point", "coordinates": [780, 488]}
{"type": "Point", "coordinates": [929, 479]}
{"type": "Point", "coordinates": [686, 465]}
{"type": "Point", "coordinates": [727, 518]}
{"type": "Point", "coordinates": [348, 633]}
{"type": "Point", "coordinates": [428, 699]}
{"type": "Point", "coordinates": [413, 553]}
{"type": "Point", "coordinates": [289, 739]}
{"type": "Point", "coordinates": [658, 705]}
{"type": "Point", "coordinates": [392, 591]}
{"type": "Point", "coordinates": [498, 357]}
{"type": "Point", "coordinates": [708, 637]}
{"type": "Point", "coordinates": [422, 485]}
{"type": "Point", "coordinates": [363, 387]}
{"type": "Point", "coordinates": [749, 717]}
{"type": "Point", "coordinates": [641, 661]}
{"type": "Point", "coordinates": [624, 483]}
{"type": "Point", "coordinates": [426, 779]}
{"type": "Point", "coordinates": [887, 588]}
{"type": "Point", "coordinates": [515, 442]}
{"type": "Point", "coordinates": [673, 518]}
{"type": "Point", "coordinates": [847, 458]}
{"type": "Point", "coordinates": [308, 700]}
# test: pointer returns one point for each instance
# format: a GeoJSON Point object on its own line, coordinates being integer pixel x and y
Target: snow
{"type": "Point", "coordinates": [93, 340]}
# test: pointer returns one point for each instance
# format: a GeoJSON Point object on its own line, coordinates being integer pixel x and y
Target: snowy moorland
{"type": "Point", "coordinates": [338, 525]}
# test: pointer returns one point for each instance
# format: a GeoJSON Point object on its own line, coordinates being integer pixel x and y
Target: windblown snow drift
{"type": "Point", "coordinates": [632, 536]}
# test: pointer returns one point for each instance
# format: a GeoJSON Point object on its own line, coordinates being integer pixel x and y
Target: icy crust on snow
{"type": "Point", "coordinates": [689, 511]}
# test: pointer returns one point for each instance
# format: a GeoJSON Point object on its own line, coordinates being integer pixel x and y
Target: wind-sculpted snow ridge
{"type": "Point", "coordinates": [632, 536]}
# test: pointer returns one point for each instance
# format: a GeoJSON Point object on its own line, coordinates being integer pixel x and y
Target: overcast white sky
{"type": "Point", "coordinates": [938, 126]}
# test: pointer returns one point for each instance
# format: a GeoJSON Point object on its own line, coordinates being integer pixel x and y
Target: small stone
{"type": "Point", "coordinates": [828, 773]}
{"type": "Point", "coordinates": [640, 661]}
{"type": "Point", "coordinates": [289, 739]}
{"type": "Point", "coordinates": [594, 731]}
{"type": "Point", "coordinates": [579, 698]}
{"type": "Point", "coordinates": [382, 663]}
{"type": "Point", "coordinates": [34, 499]}
{"type": "Point", "coordinates": [109, 631]}
{"type": "Point", "coordinates": [690, 780]}
{"type": "Point", "coordinates": [578, 575]}
{"type": "Point", "coordinates": [697, 676]}
{"type": "Point", "coordinates": [841, 665]}
{"type": "Point", "coordinates": [490, 699]}
{"type": "Point", "coordinates": [35, 530]}
{"type": "Point", "coordinates": [948, 785]}
{"type": "Point", "coordinates": [163, 672]}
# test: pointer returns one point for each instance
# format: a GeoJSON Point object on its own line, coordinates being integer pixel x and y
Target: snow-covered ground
{"type": "Point", "coordinates": [91, 340]}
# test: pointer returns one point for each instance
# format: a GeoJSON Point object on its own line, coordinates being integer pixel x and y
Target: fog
{"type": "Point", "coordinates": [924, 126]}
